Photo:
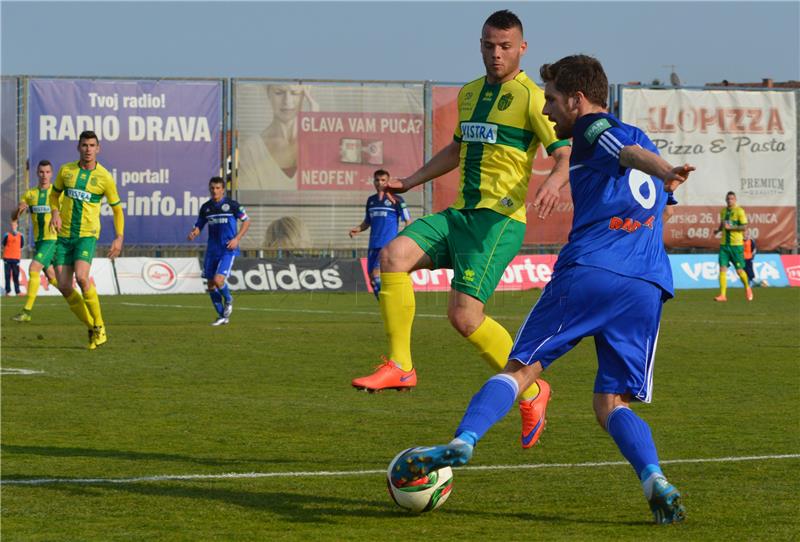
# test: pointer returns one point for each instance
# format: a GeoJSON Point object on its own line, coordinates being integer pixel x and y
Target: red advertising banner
{"type": "Point", "coordinates": [340, 151]}
{"type": "Point", "coordinates": [694, 225]}
{"type": "Point", "coordinates": [791, 263]}
{"type": "Point", "coordinates": [523, 273]}
{"type": "Point", "coordinates": [552, 231]}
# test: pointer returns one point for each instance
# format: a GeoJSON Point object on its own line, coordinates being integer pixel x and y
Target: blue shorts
{"type": "Point", "coordinates": [373, 259]}
{"type": "Point", "coordinates": [218, 264]}
{"type": "Point", "coordinates": [621, 313]}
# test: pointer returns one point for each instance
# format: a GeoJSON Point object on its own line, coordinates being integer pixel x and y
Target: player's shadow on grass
{"type": "Point", "coordinates": [293, 507]}
{"type": "Point", "coordinates": [54, 451]}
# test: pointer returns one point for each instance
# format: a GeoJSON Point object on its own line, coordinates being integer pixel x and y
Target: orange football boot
{"type": "Point", "coordinates": [721, 298]}
{"type": "Point", "coordinates": [749, 293]}
{"type": "Point", "coordinates": [533, 415]}
{"type": "Point", "coordinates": [388, 376]}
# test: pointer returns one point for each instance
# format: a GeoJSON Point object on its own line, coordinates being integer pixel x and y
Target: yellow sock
{"type": "Point", "coordinates": [743, 276]}
{"type": "Point", "coordinates": [78, 307]}
{"type": "Point", "coordinates": [723, 283]}
{"type": "Point", "coordinates": [53, 281]}
{"type": "Point", "coordinates": [397, 308]}
{"type": "Point", "coordinates": [494, 343]}
{"type": "Point", "coordinates": [93, 305]}
{"type": "Point", "coordinates": [33, 289]}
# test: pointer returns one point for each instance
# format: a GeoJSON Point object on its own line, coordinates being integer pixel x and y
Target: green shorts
{"type": "Point", "coordinates": [70, 249]}
{"type": "Point", "coordinates": [45, 250]}
{"type": "Point", "coordinates": [731, 253]}
{"type": "Point", "coordinates": [477, 244]}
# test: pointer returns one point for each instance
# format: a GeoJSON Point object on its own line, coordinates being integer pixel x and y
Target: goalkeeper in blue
{"type": "Point", "coordinates": [610, 282]}
{"type": "Point", "coordinates": [222, 215]}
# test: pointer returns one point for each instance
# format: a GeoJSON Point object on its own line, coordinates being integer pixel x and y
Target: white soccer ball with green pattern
{"type": "Point", "coordinates": [423, 495]}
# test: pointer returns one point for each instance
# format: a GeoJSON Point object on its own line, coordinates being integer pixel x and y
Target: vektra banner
{"type": "Point", "coordinates": [101, 275]}
{"type": "Point", "coordinates": [702, 271]}
{"type": "Point", "coordinates": [159, 276]}
{"type": "Point", "coordinates": [740, 141]}
{"type": "Point", "coordinates": [552, 231]}
{"type": "Point", "coordinates": [160, 139]}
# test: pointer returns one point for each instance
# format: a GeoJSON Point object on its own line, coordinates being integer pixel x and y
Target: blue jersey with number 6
{"type": "Point", "coordinates": [617, 218]}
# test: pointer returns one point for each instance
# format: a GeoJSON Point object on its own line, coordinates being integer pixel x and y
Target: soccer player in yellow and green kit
{"type": "Point", "coordinates": [732, 223]}
{"type": "Point", "coordinates": [500, 128]}
{"type": "Point", "coordinates": [84, 183]}
{"type": "Point", "coordinates": [37, 202]}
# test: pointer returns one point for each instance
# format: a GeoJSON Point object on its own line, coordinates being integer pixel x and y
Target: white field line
{"type": "Point", "coordinates": [319, 474]}
{"type": "Point", "coordinates": [374, 313]}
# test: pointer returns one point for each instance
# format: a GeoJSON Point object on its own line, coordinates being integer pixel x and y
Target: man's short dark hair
{"type": "Point", "coordinates": [216, 180]}
{"type": "Point", "coordinates": [577, 73]}
{"type": "Point", "coordinates": [380, 173]}
{"type": "Point", "coordinates": [88, 134]}
{"type": "Point", "coordinates": [504, 20]}
{"type": "Point", "coordinates": [731, 193]}
{"type": "Point", "coordinates": [44, 163]}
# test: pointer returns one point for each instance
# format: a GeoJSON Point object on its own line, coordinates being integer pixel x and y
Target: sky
{"type": "Point", "coordinates": [438, 41]}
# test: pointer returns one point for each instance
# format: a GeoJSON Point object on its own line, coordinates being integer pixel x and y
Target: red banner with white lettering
{"type": "Point", "coordinates": [340, 151]}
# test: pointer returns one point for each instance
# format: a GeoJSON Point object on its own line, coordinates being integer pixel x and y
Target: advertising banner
{"type": "Point", "coordinates": [702, 271]}
{"type": "Point", "coordinates": [159, 276]}
{"type": "Point", "coordinates": [161, 140]}
{"type": "Point", "coordinates": [523, 273]}
{"type": "Point", "coordinates": [295, 275]}
{"type": "Point", "coordinates": [552, 231]}
{"type": "Point", "coordinates": [740, 141]}
{"type": "Point", "coordinates": [101, 275]}
{"type": "Point", "coordinates": [791, 264]}
{"type": "Point", "coordinates": [8, 150]}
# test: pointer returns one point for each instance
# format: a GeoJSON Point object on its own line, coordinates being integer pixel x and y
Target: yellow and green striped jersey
{"type": "Point", "coordinates": [80, 205]}
{"type": "Point", "coordinates": [734, 217]}
{"type": "Point", "coordinates": [500, 128]}
{"type": "Point", "coordinates": [38, 202]}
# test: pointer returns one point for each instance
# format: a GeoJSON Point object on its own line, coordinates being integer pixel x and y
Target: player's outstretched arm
{"type": "Point", "coordinates": [193, 234]}
{"type": "Point", "coordinates": [21, 208]}
{"type": "Point", "coordinates": [445, 160]}
{"type": "Point", "coordinates": [636, 157]}
{"type": "Point", "coordinates": [548, 193]}
{"type": "Point", "coordinates": [358, 229]}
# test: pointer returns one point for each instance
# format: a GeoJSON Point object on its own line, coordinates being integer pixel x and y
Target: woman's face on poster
{"type": "Point", "coordinates": [285, 100]}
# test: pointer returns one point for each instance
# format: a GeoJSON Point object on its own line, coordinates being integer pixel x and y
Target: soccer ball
{"type": "Point", "coordinates": [423, 495]}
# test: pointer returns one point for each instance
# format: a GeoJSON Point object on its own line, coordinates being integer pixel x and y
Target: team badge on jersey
{"type": "Point", "coordinates": [505, 101]}
{"type": "Point", "coordinates": [226, 207]}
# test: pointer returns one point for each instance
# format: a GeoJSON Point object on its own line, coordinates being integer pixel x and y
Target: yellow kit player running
{"type": "Point", "coordinates": [37, 202]}
{"type": "Point", "coordinates": [84, 183]}
{"type": "Point", "coordinates": [732, 223]}
{"type": "Point", "coordinates": [500, 129]}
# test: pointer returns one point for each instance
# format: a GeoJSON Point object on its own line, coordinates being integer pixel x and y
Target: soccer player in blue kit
{"type": "Point", "coordinates": [222, 215]}
{"type": "Point", "coordinates": [610, 282]}
{"type": "Point", "coordinates": [383, 215]}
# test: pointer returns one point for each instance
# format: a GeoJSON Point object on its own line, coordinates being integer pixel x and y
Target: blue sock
{"type": "Point", "coordinates": [487, 407]}
{"type": "Point", "coordinates": [226, 293]}
{"type": "Point", "coordinates": [216, 299]}
{"type": "Point", "coordinates": [634, 440]}
{"type": "Point", "coordinates": [376, 286]}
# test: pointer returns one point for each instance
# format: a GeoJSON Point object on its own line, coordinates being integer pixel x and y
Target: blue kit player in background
{"type": "Point", "coordinates": [610, 282]}
{"type": "Point", "coordinates": [222, 215]}
{"type": "Point", "coordinates": [383, 216]}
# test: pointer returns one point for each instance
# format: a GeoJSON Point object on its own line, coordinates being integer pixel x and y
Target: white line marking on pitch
{"type": "Point", "coordinates": [316, 474]}
{"type": "Point", "coordinates": [265, 309]}
{"type": "Point", "coordinates": [13, 371]}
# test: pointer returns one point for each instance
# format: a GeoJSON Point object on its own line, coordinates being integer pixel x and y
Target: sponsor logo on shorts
{"type": "Point", "coordinates": [507, 202]}
{"type": "Point", "coordinates": [159, 275]}
{"type": "Point", "coordinates": [469, 275]}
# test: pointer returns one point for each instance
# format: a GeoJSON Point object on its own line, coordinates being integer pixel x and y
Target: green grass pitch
{"type": "Point", "coordinates": [268, 400]}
